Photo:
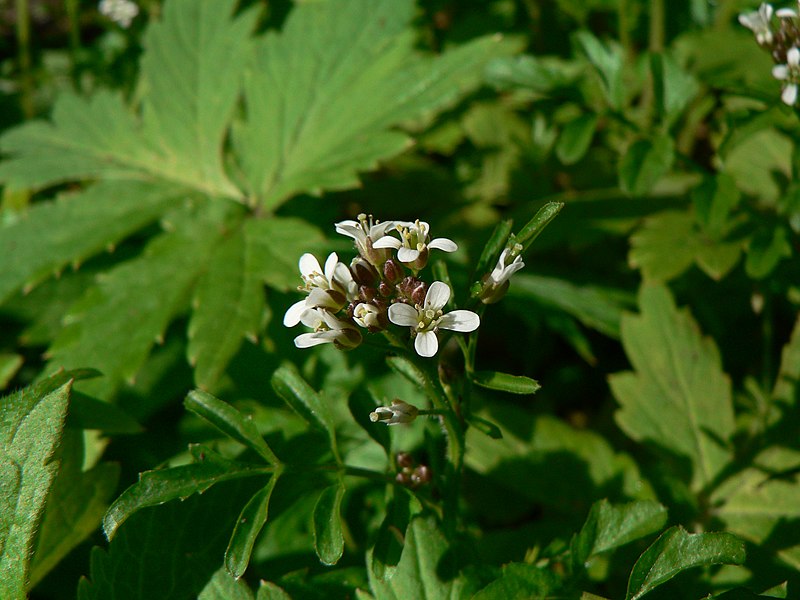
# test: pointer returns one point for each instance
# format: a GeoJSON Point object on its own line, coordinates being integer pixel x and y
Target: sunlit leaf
{"type": "Point", "coordinates": [675, 551]}
{"type": "Point", "coordinates": [677, 396]}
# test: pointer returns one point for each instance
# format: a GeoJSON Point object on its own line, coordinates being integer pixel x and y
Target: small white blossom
{"type": "Point", "coordinates": [426, 320]}
{"type": "Point", "coordinates": [504, 269]}
{"type": "Point", "coordinates": [122, 12]}
{"type": "Point", "coordinates": [368, 316]}
{"type": "Point", "coordinates": [790, 75]}
{"type": "Point", "coordinates": [398, 412]}
{"type": "Point", "coordinates": [414, 243]}
{"type": "Point", "coordinates": [366, 232]}
{"type": "Point", "coordinates": [327, 288]}
{"type": "Point", "coordinates": [760, 23]}
{"type": "Point", "coordinates": [327, 329]}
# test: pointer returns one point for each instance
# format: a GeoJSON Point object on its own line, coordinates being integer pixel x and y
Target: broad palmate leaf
{"type": "Point", "coordinates": [677, 396]}
{"type": "Point", "coordinates": [31, 422]}
{"type": "Point", "coordinates": [323, 95]}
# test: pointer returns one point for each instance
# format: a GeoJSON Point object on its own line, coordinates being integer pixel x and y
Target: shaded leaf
{"type": "Point", "coordinates": [229, 421]}
{"type": "Point", "coordinates": [303, 133]}
{"type": "Point", "coordinates": [575, 139]}
{"type": "Point", "coordinates": [677, 396]}
{"type": "Point", "coordinates": [675, 551]}
{"type": "Point", "coordinates": [608, 59]}
{"type": "Point", "coordinates": [31, 422]}
{"type": "Point", "coordinates": [295, 391]}
{"type": "Point", "coordinates": [521, 581]}
{"type": "Point", "coordinates": [250, 523]}
{"type": "Point", "coordinates": [513, 384]}
{"type": "Point", "coordinates": [645, 162]}
{"type": "Point", "coordinates": [176, 483]}
{"type": "Point", "coordinates": [9, 365]}
{"type": "Point", "coordinates": [328, 536]}
{"type": "Point", "coordinates": [766, 249]}
{"type": "Point", "coordinates": [88, 413]}
{"type": "Point", "coordinates": [533, 228]}
{"type": "Point", "coordinates": [76, 226]}
{"type": "Point", "coordinates": [390, 540]}
{"type": "Point", "coordinates": [270, 591]}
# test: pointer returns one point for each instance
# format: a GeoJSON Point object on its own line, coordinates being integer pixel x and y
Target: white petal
{"type": "Point", "coordinates": [311, 317]}
{"type": "Point", "coordinates": [306, 340]}
{"type": "Point", "coordinates": [294, 314]}
{"type": "Point", "coordinates": [437, 296]}
{"type": "Point", "coordinates": [785, 13]}
{"type": "Point", "coordinates": [309, 264]}
{"type": "Point", "coordinates": [407, 255]}
{"type": "Point", "coordinates": [330, 265]}
{"type": "Point", "coordinates": [319, 298]}
{"type": "Point", "coordinates": [426, 344]}
{"type": "Point", "coordinates": [765, 12]}
{"type": "Point", "coordinates": [789, 95]}
{"type": "Point", "coordinates": [403, 315]}
{"type": "Point", "coordinates": [780, 72]}
{"type": "Point", "coordinates": [349, 228]}
{"type": "Point", "coordinates": [387, 241]}
{"type": "Point", "coordinates": [460, 320]}
{"type": "Point", "coordinates": [443, 244]}
{"type": "Point", "coordinates": [793, 57]}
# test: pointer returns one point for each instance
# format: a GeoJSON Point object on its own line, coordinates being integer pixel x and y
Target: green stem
{"type": "Point", "coordinates": [74, 37]}
{"type": "Point", "coordinates": [657, 25]}
{"type": "Point", "coordinates": [624, 27]}
{"type": "Point", "coordinates": [24, 58]}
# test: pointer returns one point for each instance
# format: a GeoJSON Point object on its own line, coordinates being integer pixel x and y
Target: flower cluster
{"type": "Point", "coordinates": [122, 12]}
{"type": "Point", "coordinates": [379, 287]}
{"type": "Point", "coordinates": [778, 32]}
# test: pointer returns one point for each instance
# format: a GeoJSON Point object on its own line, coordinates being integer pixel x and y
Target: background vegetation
{"type": "Point", "coordinates": [159, 183]}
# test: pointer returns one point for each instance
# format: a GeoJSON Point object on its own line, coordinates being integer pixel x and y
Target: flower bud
{"type": "Point", "coordinates": [393, 271]}
{"type": "Point", "coordinates": [364, 273]}
{"type": "Point", "coordinates": [398, 412]}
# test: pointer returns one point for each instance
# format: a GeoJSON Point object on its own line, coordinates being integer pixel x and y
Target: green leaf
{"type": "Point", "coordinates": [228, 305]}
{"type": "Point", "coordinates": [575, 139]}
{"type": "Point", "coordinates": [760, 163]}
{"type": "Point", "coordinates": [9, 365]}
{"type": "Point", "coordinates": [89, 413]}
{"type": "Point", "coordinates": [223, 586]}
{"type": "Point", "coordinates": [75, 505]}
{"type": "Point", "coordinates": [290, 385]}
{"type": "Point", "coordinates": [169, 551]}
{"type": "Point", "coordinates": [540, 74]}
{"type": "Point", "coordinates": [192, 67]}
{"type": "Point", "coordinates": [677, 396]}
{"type": "Point", "coordinates": [766, 249]}
{"type": "Point", "coordinates": [389, 542]}
{"type": "Point", "coordinates": [251, 522]}
{"type": "Point", "coordinates": [759, 501]}
{"type": "Point", "coordinates": [76, 226]}
{"type": "Point", "coordinates": [275, 245]}
{"type": "Point", "coordinates": [176, 483]}
{"type": "Point", "coordinates": [610, 526]}
{"type": "Point", "coordinates": [595, 307]}
{"type": "Point", "coordinates": [787, 383]}
{"type": "Point", "coordinates": [645, 162]}
{"type": "Point", "coordinates": [31, 422]}
{"type": "Point", "coordinates": [674, 87]}
{"type": "Point", "coordinates": [270, 591]}
{"type": "Point", "coordinates": [328, 536]}
{"type": "Point", "coordinates": [428, 567]}
{"type": "Point", "coordinates": [714, 199]}
{"type": "Point", "coordinates": [521, 581]}
{"type": "Point", "coordinates": [115, 324]}
{"type": "Point", "coordinates": [513, 384]}
{"type": "Point", "coordinates": [675, 551]}
{"type": "Point", "coordinates": [229, 421]}
{"type": "Point", "coordinates": [608, 60]}
{"type": "Point", "coordinates": [536, 225]}
{"type": "Point", "coordinates": [493, 248]}
{"type": "Point", "coordinates": [323, 95]}
{"type": "Point", "coordinates": [87, 139]}
{"type": "Point", "coordinates": [485, 426]}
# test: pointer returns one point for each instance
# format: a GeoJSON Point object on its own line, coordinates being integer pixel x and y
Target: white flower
{"type": "Point", "coordinates": [759, 22]}
{"type": "Point", "coordinates": [414, 243]}
{"type": "Point", "coordinates": [790, 75]}
{"type": "Point", "coordinates": [369, 316]}
{"type": "Point", "coordinates": [366, 232]}
{"type": "Point", "coordinates": [122, 12]}
{"type": "Point", "coordinates": [503, 270]}
{"type": "Point", "coordinates": [786, 13]}
{"type": "Point", "coordinates": [330, 288]}
{"type": "Point", "coordinates": [327, 329]}
{"type": "Point", "coordinates": [398, 412]}
{"type": "Point", "coordinates": [426, 320]}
